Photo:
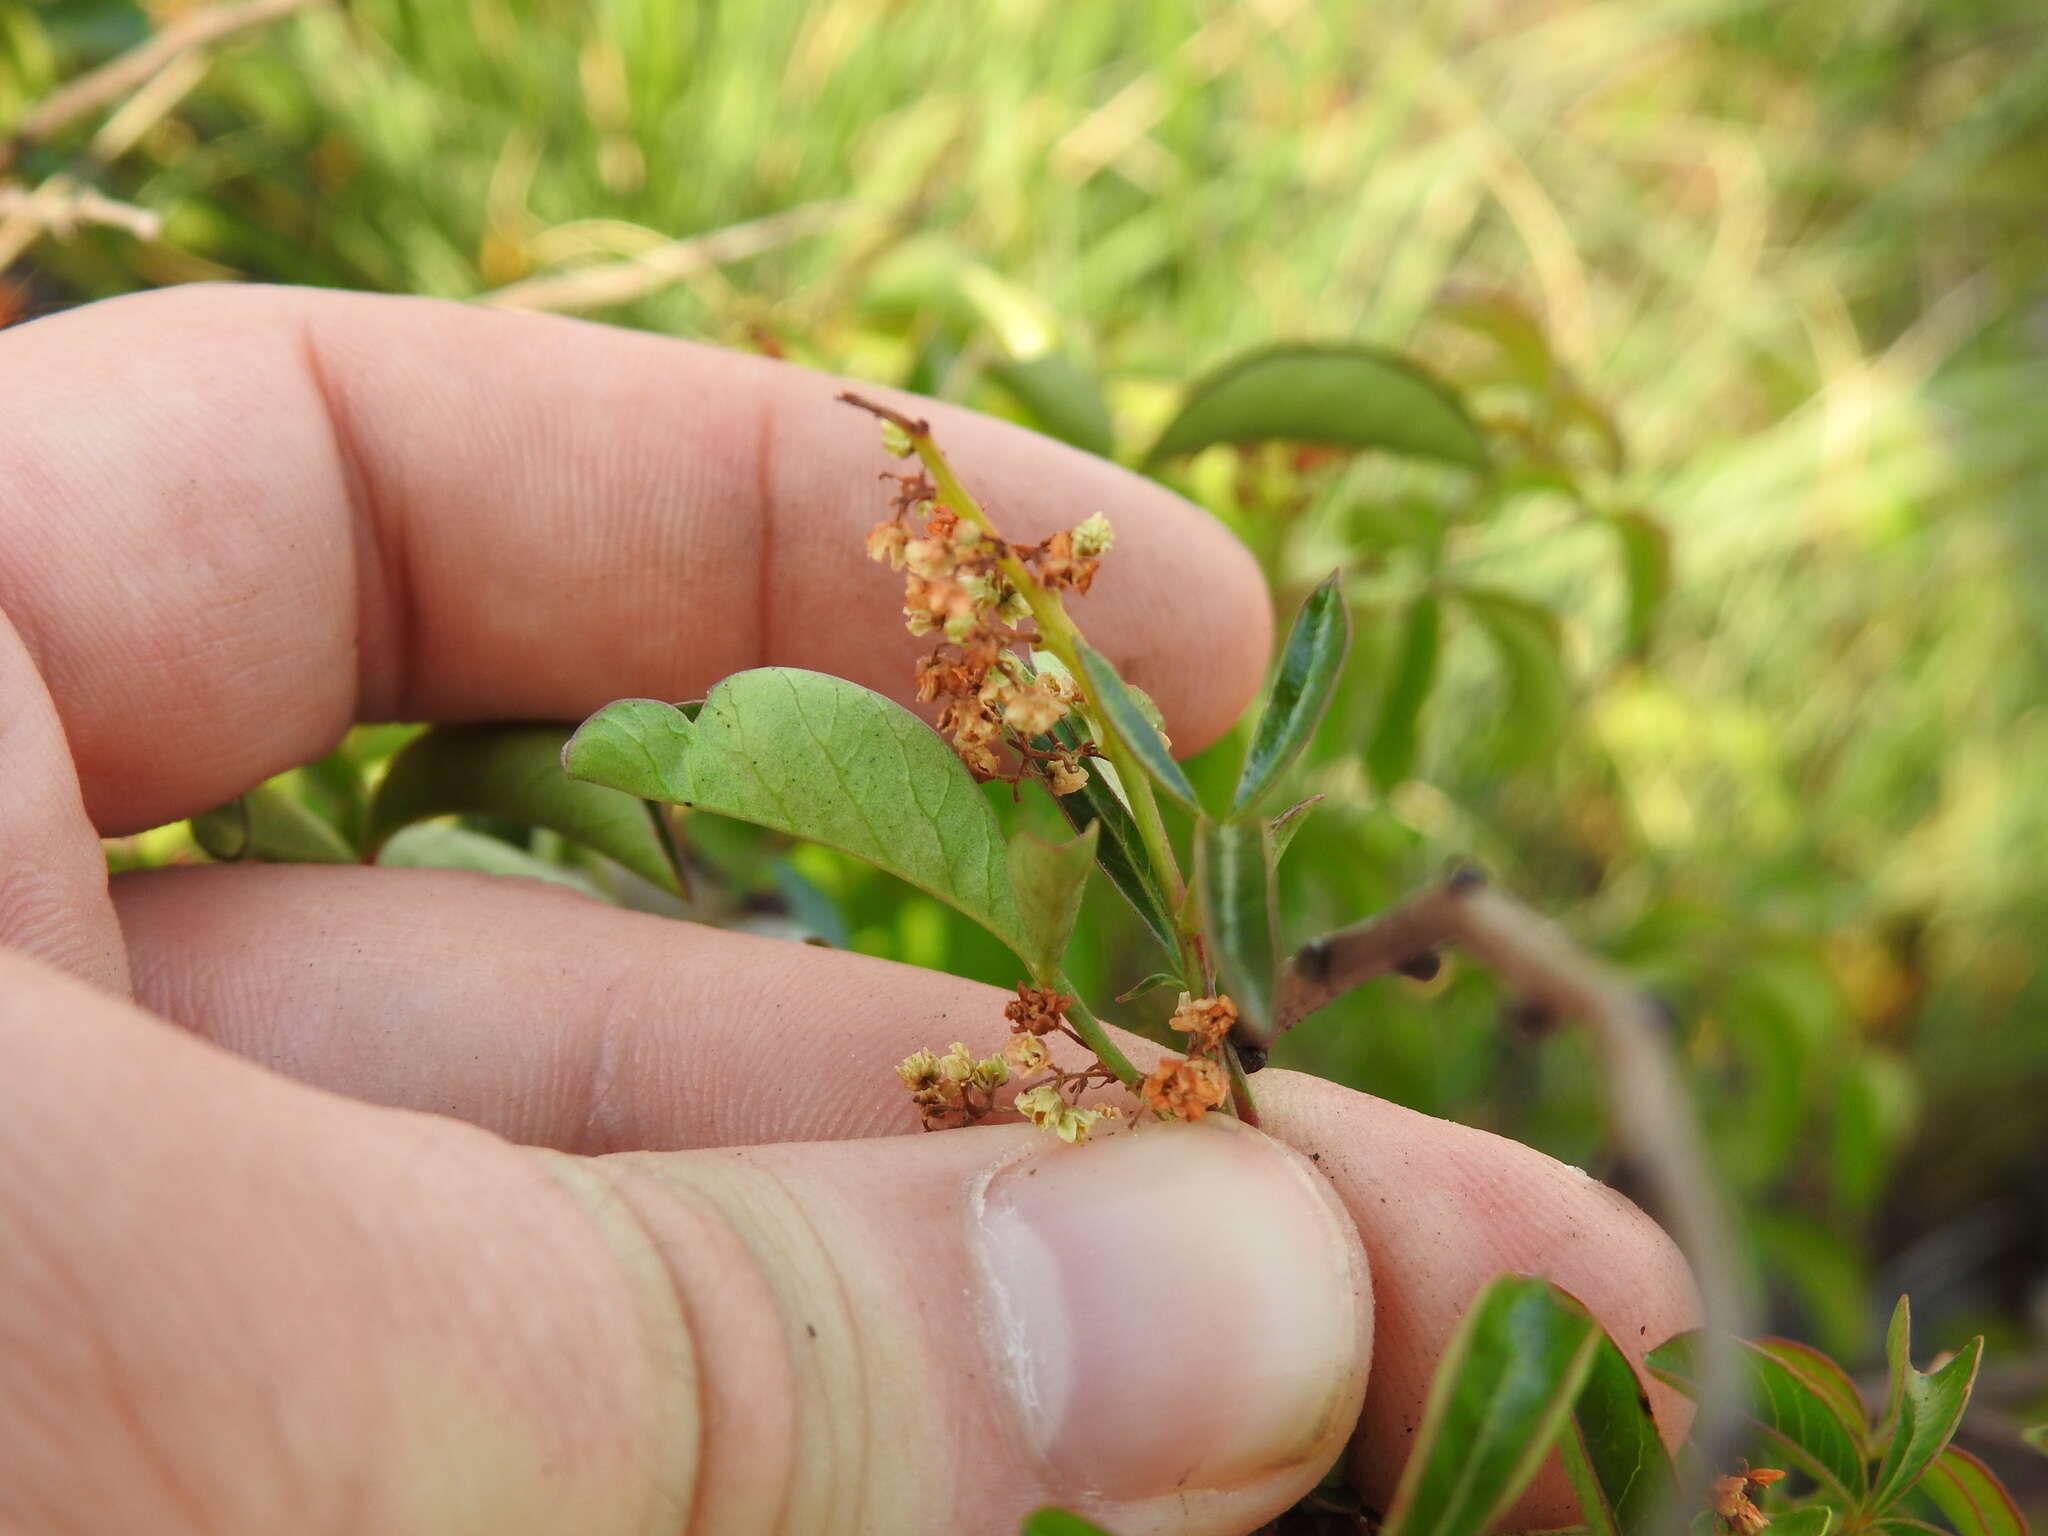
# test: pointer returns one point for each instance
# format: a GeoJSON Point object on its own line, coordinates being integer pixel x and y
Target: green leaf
{"type": "Point", "coordinates": [271, 825]}
{"type": "Point", "coordinates": [1971, 1496]}
{"type": "Point", "coordinates": [1062, 400]}
{"type": "Point", "coordinates": [822, 759]}
{"type": "Point", "coordinates": [1057, 1522]}
{"type": "Point", "coordinates": [1340, 395]}
{"type": "Point", "coordinates": [1390, 754]}
{"type": "Point", "coordinates": [430, 845]}
{"type": "Point", "coordinates": [1827, 1379]}
{"type": "Point", "coordinates": [1234, 872]}
{"type": "Point", "coordinates": [1923, 1415]}
{"type": "Point", "coordinates": [1118, 706]}
{"type": "Point", "coordinates": [1526, 639]}
{"type": "Point", "coordinates": [1813, 1520]}
{"type": "Point", "coordinates": [1309, 665]}
{"type": "Point", "coordinates": [1646, 566]}
{"type": "Point", "coordinates": [1617, 1462]}
{"type": "Point", "coordinates": [1119, 850]}
{"type": "Point", "coordinates": [1048, 879]}
{"type": "Point", "coordinates": [514, 773]}
{"type": "Point", "coordinates": [2036, 1435]}
{"type": "Point", "coordinates": [1501, 1393]}
{"type": "Point", "coordinates": [1797, 1415]}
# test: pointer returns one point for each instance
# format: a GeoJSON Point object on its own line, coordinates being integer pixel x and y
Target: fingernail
{"type": "Point", "coordinates": [1176, 1307]}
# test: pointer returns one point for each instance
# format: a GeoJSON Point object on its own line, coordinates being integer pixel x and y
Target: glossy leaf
{"type": "Point", "coordinates": [1118, 706]}
{"type": "Point", "coordinates": [1390, 753]}
{"type": "Point", "coordinates": [1646, 568]}
{"type": "Point", "coordinates": [1339, 395]}
{"type": "Point", "coordinates": [1924, 1413]}
{"type": "Point", "coordinates": [1058, 1522]}
{"type": "Point", "coordinates": [822, 759]}
{"type": "Point", "coordinates": [1970, 1495]}
{"type": "Point", "coordinates": [1234, 872]}
{"type": "Point", "coordinates": [1618, 1464]}
{"type": "Point", "coordinates": [1063, 401]}
{"type": "Point", "coordinates": [271, 825]}
{"type": "Point", "coordinates": [1826, 1378]}
{"type": "Point", "coordinates": [1119, 850]}
{"type": "Point", "coordinates": [1309, 664]}
{"type": "Point", "coordinates": [1501, 1393]}
{"type": "Point", "coordinates": [435, 845]}
{"type": "Point", "coordinates": [514, 773]}
{"type": "Point", "coordinates": [1799, 1417]}
{"type": "Point", "coordinates": [1048, 879]}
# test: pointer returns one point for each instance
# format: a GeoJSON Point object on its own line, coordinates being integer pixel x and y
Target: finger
{"type": "Point", "coordinates": [557, 1020]}
{"type": "Point", "coordinates": [234, 1304]}
{"type": "Point", "coordinates": [239, 519]}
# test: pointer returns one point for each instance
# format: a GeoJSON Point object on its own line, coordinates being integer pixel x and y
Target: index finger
{"type": "Point", "coordinates": [238, 520]}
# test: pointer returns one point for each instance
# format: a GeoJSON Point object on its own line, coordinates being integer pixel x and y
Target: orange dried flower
{"type": "Point", "coordinates": [1205, 1020]}
{"type": "Point", "coordinates": [1184, 1088]}
{"type": "Point", "coordinates": [1037, 1010]}
{"type": "Point", "coordinates": [1733, 1498]}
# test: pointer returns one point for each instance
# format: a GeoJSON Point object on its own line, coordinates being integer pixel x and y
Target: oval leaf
{"type": "Point", "coordinates": [1526, 639]}
{"type": "Point", "coordinates": [1390, 754]}
{"type": "Point", "coordinates": [1118, 706]}
{"type": "Point", "coordinates": [1048, 879]}
{"type": "Point", "coordinates": [1798, 1416]}
{"type": "Point", "coordinates": [1501, 1393]}
{"type": "Point", "coordinates": [1972, 1497]}
{"type": "Point", "coordinates": [1617, 1461]}
{"type": "Point", "coordinates": [1824, 1377]}
{"type": "Point", "coordinates": [1063, 401]}
{"type": "Point", "coordinates": [514, 773]}
{"type": "Point", "coordinates": [1341, 395]}
{"type": "Point", "coordinates": [1309, 665]}
{"type": "Point", "coordinates": [1234, 872]}
{"type": "Point", "coordinates": [823, 759]}
{"type": "Point", "coordinates": [271, 825]}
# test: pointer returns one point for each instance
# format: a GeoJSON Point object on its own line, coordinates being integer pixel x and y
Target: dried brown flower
{"type": "Point", "coordinates": [1184, 1088]}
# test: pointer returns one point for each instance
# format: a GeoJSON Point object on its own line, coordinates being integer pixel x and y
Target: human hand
{"type": "Point", "coordinates": [476, 1206]}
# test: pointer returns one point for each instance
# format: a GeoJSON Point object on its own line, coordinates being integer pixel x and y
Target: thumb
{"type": "Point", "coordinates": [234, 1303]}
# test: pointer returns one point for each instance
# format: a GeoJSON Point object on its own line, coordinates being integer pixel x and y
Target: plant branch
{"type": "Point", "coordinates": [1090, 1032]}
{"type": "Point", "coordinates": [1056, 632]}
{"type": "Point", "coordinates": [1653, 1116]}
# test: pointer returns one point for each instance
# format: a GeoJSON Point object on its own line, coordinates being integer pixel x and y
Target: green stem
{"type": "Point", "coordinates": [1096, 1037]}
{"type": "Point", "coordinates": [1057, 633]}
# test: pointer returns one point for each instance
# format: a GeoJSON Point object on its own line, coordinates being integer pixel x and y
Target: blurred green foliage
{"type": "Point", "coordinates": [1735, 664]}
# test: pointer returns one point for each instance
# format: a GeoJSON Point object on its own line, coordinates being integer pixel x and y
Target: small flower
{"type": "Point", "coordinates": [928, 557]}
{"type": "Point", "coordinates": [1026, 1054]}
{"type": "Point", "coordinates": [956, 1066]}
{"type": "Point", "coordinates": [918, 1070]}
{"type": "Point", "coordinates": [886, 541]}
{"type": "Point", "coordinates": [1037, 1010]}
{"type": "Point", "coordinates": [1184, 1088]}
{"type": "Point", "coordinates": [1044, 1108]}
{"type": "Point", "coordinates": [1733, 1498]}
{"type": "Point", "coordinates": [1205, 1020]}
{"type": "Point", "coordinates": [1032, 711]}
{"type": "Point", "coordinates": [1036, 1104]}
{"type": "Point", "coordinates": [990, 1073]}
{"type": "Point", "coordinates": [1092, 538]}
{"type": "Point", "coordinates": [1066, 778]}
{"type": "Point", "coordinates": [895, 441]}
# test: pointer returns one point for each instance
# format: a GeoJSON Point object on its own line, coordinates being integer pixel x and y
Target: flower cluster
{"type": "Point", "coordinates": [956, 586]}
{"type": "Point", "coordinates": [953, 1088]}
{"type": "Point", "coordinates": [957, 1089]}
{"type": "Point", "coordinates": [1188, 1087]}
